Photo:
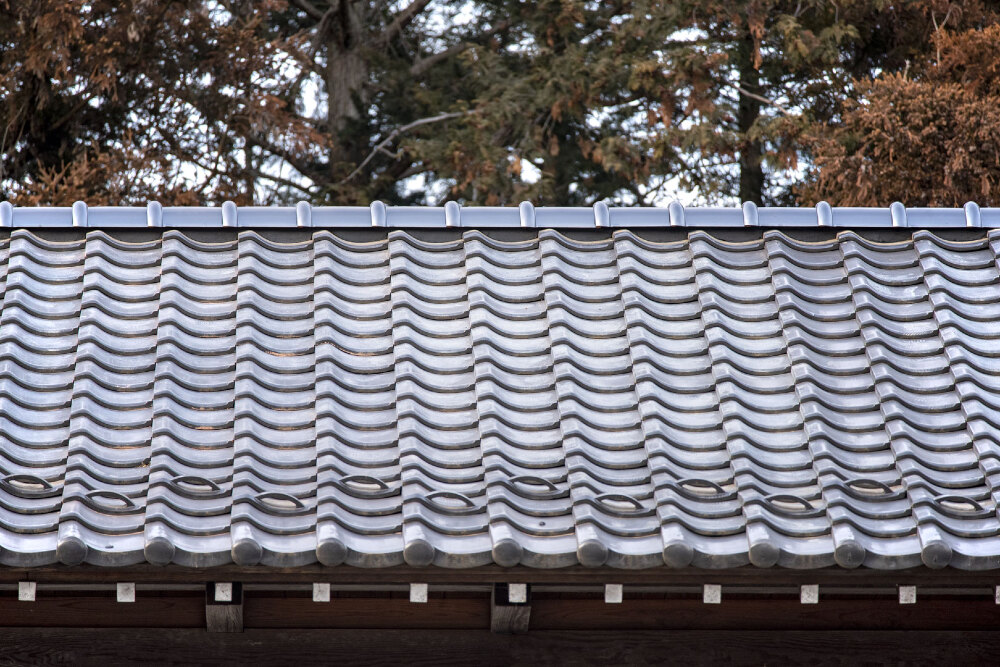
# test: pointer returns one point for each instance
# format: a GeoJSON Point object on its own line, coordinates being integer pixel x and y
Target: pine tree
{"type": "Point", "coordinates": [483, 101]}
{"type": "Point", "coordinates": [743, 81]}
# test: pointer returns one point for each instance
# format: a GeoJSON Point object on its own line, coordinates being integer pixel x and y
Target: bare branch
{"type": "Point", "coordinates": [760, 98]}
{"type": "Point", "coordinates": [403, 19]}
{"type": "Point", "coordinates": [84, 101]}
{"type": "Point", "coordinates": [295, 161]}
{"type": "Point", "coordinates": [938, 28]}
{"type": "Point", "coordinates": [309, 8]}
{"type": "Point", "coordinates": [401, 130]}
{"type": "Point", "coordinates": [280, 180]}
{"type": "Point", "coordinates": [421, 66]}
{"type": "Point", "coordinates": [308, 61]}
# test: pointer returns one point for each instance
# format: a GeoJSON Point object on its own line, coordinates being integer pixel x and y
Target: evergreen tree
{"type": "Point", "coordinates": [483, 101]}
{"type": "Point", "coordinates": [743, 80]}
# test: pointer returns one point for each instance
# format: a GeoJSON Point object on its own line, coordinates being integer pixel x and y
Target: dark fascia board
{"type": "Point", "coordinates": [835, 577]}
{"type": "Point", "coordinates": [486, 217]}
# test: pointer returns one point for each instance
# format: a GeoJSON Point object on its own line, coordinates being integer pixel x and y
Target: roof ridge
{"type": "Point", "coordinates": [453, 215]}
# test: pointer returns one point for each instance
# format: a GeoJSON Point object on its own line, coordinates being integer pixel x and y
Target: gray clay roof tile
{"type": "Point", "coordinates": [468, 400]}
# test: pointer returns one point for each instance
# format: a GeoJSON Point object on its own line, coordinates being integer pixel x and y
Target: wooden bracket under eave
{"type": "Point", "coordinates": [507, 617]}
{"type": "Point", "coordinates": [224, 607]}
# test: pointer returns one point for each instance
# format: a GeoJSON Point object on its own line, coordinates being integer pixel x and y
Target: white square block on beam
{"type": "Point", "coordinates": [26, 591]}
{"type": "Point", "coordinates": [321, 592]}
{"type": "Point", "coordinates": [907, 595]}
{"type": "Point", "coordinates": [126, 592]}
{"type": "Point", "coordinates": [712, 594]}
{"type": "Point", "coordinates": [418, 593]}
{"type": "Point", "coordinates": [517, 593]}
{"type": "Point", "coordinates": [224, 592]}
{"type": "Point", "coordinates": [809, 594]}
{"type": "Point", "coordinates": [613, 593]}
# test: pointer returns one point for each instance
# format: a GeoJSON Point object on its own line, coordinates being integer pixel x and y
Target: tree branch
{"type": "Point", "coordinates": [401, 130]}
{"type": "Point", "coordinates": [280, 180]}
{"type": "Point", "coordinates": [309, 8]}
{"type": "Point", "coordinates": [309, 171]}
{"type": "Point", "coordinates": [309, 60]}
{"type": "Point", "coordinates": [403, 19]}
{"type": "Point", "coordinates": [84, 101]}
{"type": "Point", "coordinates": [421, 66]}
{"type": "Point", "coordinates": [324, 22]}
{"type": "Point", "coordinates": [760, 98]}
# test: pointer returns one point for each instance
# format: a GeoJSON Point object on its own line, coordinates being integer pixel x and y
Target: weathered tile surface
{"type": "Point", "coordinates": [543, 402]}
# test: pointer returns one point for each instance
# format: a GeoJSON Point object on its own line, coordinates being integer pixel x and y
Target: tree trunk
{"type": "Point", "coordinates": [751, 166]}
{"type": "Point", "coordinates": [347, 73]}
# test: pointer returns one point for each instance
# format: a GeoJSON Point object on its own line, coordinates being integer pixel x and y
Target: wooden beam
{"type": "Point", "coordinates": [764, 614]}
{"type": "Point", "coordinates": [309, 574]}
{"type": "Point", "coordinates": [100, 648]}
{"type": "Point", "coordinates": [510, 608]}
{"type": "Point", "coordinates": [224, 607]}
{"type": "Point", "coordinates": [459, 611]}
{"type": "Point", "coordinates": [360, 610]}
{"type": "Point", "coordinates": [101, 609]}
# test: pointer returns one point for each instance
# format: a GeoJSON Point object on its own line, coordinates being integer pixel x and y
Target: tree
{"type": "Point", "coordinates": [561, 118]}
{"type": "Point", "coordinates": [118, 102]}
{"type": "Point", "coordinates": [629, 100]}
{"type": "Point", "coordinates": [509, 101]}
{"type": "Point", "coordinates": [633, 100]}
{"type": "Point", "coordinates": [337, 101]}
{"type": "Point", "coordinates": [749, 77]}
{"type": "Point", "coordinates": [928, 137]}
{"type": "Point", "coordinates": [483, 101]}
{"type": "Point", "coordinates": [379, 73]}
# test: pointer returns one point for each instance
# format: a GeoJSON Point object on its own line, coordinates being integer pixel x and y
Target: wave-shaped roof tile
{"type": "Point", "coordinates": [546, 401]}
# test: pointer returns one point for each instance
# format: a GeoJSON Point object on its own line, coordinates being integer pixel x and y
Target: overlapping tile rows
{"type": "Point", "coordinates": [466, 400]}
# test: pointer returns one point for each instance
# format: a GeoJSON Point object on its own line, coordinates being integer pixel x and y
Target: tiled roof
{"type": "Point", "coordinates": [470, 400]}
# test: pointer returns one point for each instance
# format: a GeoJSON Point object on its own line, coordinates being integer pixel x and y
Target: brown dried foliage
{"type": "Point", "coordinates": [117, 102]}
{"type": "Point", "coordinates": [929, 138]}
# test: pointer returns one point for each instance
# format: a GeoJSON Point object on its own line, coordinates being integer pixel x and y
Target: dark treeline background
{"type": "Point", "coordinates": [858, 102]}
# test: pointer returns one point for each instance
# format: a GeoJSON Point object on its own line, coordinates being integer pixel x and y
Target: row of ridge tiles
{"type": "Point", "coordinates": [543, 402]}
{"type": "Point", "coordinates": [526, 215]}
